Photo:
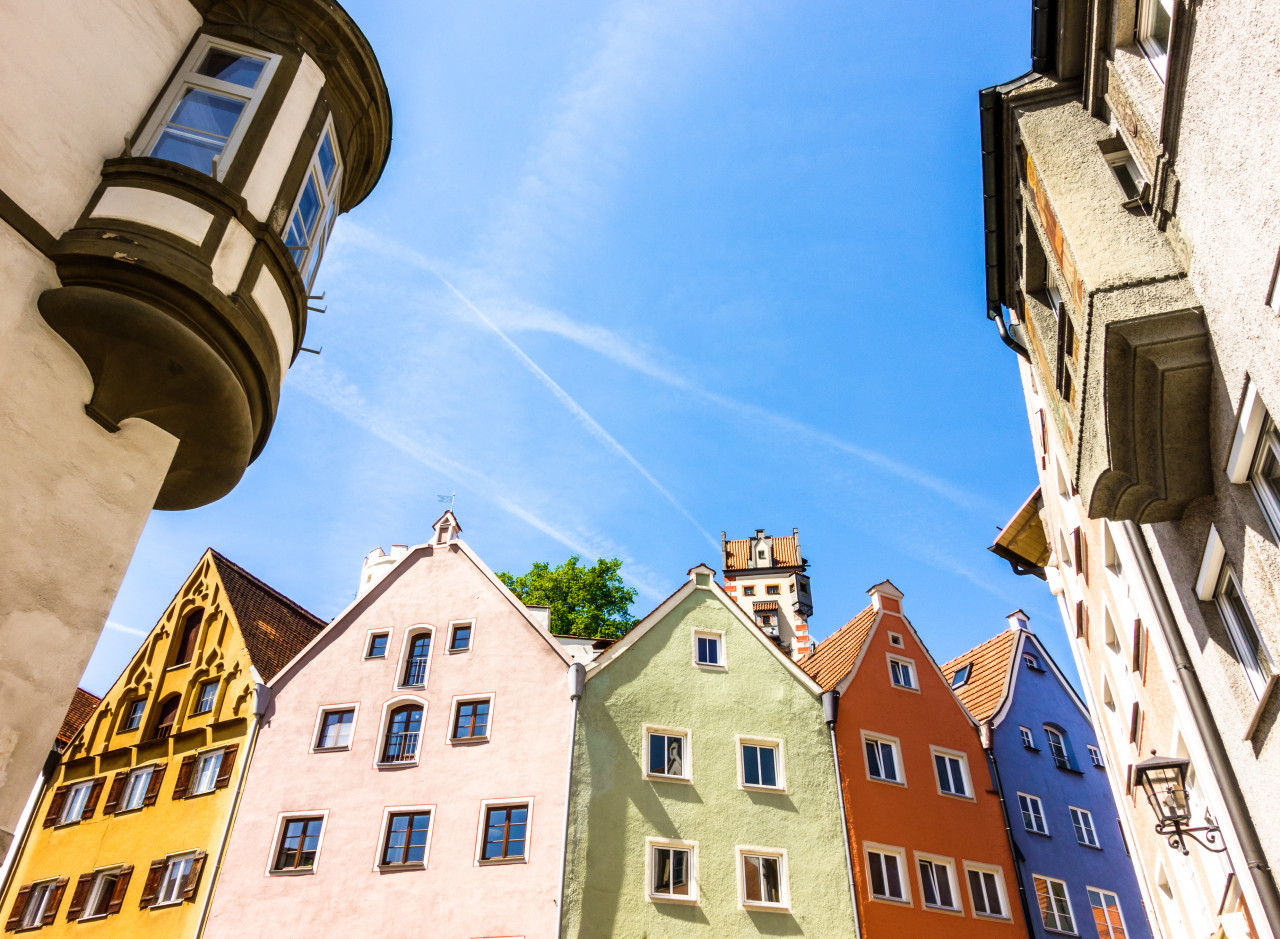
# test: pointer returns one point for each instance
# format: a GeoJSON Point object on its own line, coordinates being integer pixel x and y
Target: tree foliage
{"type": "Point", "coordinates": [585, 601]}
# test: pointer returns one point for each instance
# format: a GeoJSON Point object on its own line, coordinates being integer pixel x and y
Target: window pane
{"type": "Point", "coordinates": [751, 765]}
{"type": "Point", "coordinates": [377, 644]}
{"type": "Point", "coordinates": [944, 774]}
{"type": "Point", "coordinates": [190, 151]}
{"type": "Point", "coordinates": [772, 891]}
{"type": "Point", "coordinates": [657, 753]}
{"type": "Point", "coordinates": [873, 760]}
{"type": "Point", "coordinates": [944, 886]}
{"type": "Point", "coordinates": [230, 67]}
{"type": "Point", "coordinates": [207, 112]}
{"type": "Point", "coordinates": [675, 756]}
{"type": "Point", "coordinates": [461, 638]}
{"type": "Point", "coordinates": [661, 870]}
{"type": "Point", "coordinates": [975, 888]}
{"type": "Point", "coordinates": [1161, 22]}
{"type": "Point", "coordinates": [680, 873]}
{"type": "Point", "coordinates": [308, 207]}
{"type": "Point", "coordinates": [926, 883]}
{"type": "Point", "coordinates": [887, 760]}
{"type": "Point", "coordinates": [875, 864]}
{"type": "Point", "coordinates": [751, 874]}
{"type": "Point", "coordinates": [993, 894]}
{"type": "Point", "coordinates": [892, 877]}
{"type": "Point", "coordinates": [326, 158]}
{"type": "Point", "coordinates": [768, 772]}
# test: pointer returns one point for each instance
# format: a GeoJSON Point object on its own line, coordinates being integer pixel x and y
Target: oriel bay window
{"type": "Point", "coordinates": [405, 843]}
{"type": "Point", "coordinates": [316, 207]}
{"type": "Point", "coordinates": [505, 828]}
{"type": "Point", "coordinates": [668, 753]}
{"type": "Point", "coordinates": [671, 874]}
{"type": "Point", "coordinates": [763, 877]}
{"type": "Point", "coordinates": [404, 725]}
{"type": "Point", "coordinates": [298, 845]}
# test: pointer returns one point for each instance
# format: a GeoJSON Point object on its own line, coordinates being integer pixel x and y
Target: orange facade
{"type": "Point", "coordinates": [927, 838]}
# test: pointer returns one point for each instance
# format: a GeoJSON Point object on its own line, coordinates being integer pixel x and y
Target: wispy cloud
{"type": "Point", "coordinates": [128, 630]}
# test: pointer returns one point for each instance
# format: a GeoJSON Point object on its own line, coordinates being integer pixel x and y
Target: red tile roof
{"type": "Point", "coordinates": [83, 704]}
{"type": "Point", "coordinates": [738, 553]}
{"type": "Point", "coordinates": [275, 629]}
{"type": "Point", "coordinates": [765, 606]}
{"type": "Point", "coordinates": [834, 656]}
{"type": "Point", "coordinates": [983, 693]}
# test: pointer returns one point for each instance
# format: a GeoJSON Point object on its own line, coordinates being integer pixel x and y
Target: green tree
{"type": "Point", "coordinates": [585, 601]}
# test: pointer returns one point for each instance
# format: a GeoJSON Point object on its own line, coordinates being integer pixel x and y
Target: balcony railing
{"type": "Point", "coordinates": [415, 670]}
{"type": "Point", "coordinates": [401, 747]}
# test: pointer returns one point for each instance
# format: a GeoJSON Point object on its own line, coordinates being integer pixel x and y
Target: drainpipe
{"type": "Point", "coordinates": [261, 698]}
{"type": "Point", "coordinates": [830, 708]}
{"type": "Point", "coordinates": [577, 681]}
{"type": "Point", "coordinates": [1237, 809]}
{"type": "Point", "coordinates": [987, 733]}
{"type": "Point", "coordinates": [26, 821]}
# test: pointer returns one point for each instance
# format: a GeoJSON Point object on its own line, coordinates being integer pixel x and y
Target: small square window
{"type": "Point", "coordinates": [299, 844]}
{"type": "Point", "coordinates": [748, 591]}
{"type": "Point", "coordinates": [377, 646]}
{"type": "Point", "coordinates": [1095, 757]}
{"type": "Point", "coordinates": [1082, 821]}
{"type": "Point", "coordinates": [895, 639]}
{"type": "Point", "coordinates": [952, 772]}
{"type": "Point", "coordinates": [668, 755]}
{"type": "Point", "coordinates": [133, 715]}
{"type": "Point", "coordinates": [883, 762]}
{"type": "Point", "coordinates": [208, 694]}
{"type": "Point", "coordinates": [671, 872]}
{"type": "Point", "coordinates": [763, 878]}
{"type": "Point", "coordinates": [772, 590]}
{"type": "Point", "coordinates": [406, 840]}
{"type": "Point", "coordinates": [961, 677]}
{"type": "Point", "coordinates": [205, 776]}
{"type": "Point", "coordinates": [1055, 907]}
{"type": "Point", "coordinates": [885, 869]}
{"type": "Point", "coordinates": [708, 649]}
{"type": "Point", "coordinates": [1031, 662]}
{"type": "Point", "coordinates": [1032, 814]}
{"type": "Point", "coordinates": [1028, 741]}
{"type": "Point", "coordinates": [761, 764]}
{"type": "Point", "coordinates": [460, 637]}
{"type": "Point", "coordinates": [335, 729]}
{"type": "Point", "coordinates": [471, 719]}
{"type": "Point", "coordinates": [505, 828]}
{"type": "Point", "coordinates": [902, 673]}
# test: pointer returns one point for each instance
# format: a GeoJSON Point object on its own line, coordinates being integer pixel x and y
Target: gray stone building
{"type": "Point", "coordinates": [1132, 215]}
{"type": "Point", "coordinates": [169, 174]}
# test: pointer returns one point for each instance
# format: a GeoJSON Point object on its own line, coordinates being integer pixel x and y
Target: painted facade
{"type": "Point", "coordinates": [704, 800]}
{"type": "Point", "coordinates": [411, 773]}
{"type": "Point", "coordinates": [1075, 866]}
{"type": "Point", "coordinates": [149, 306]}
{"type": "Point", "coordinates": [926, 831]}
{"type": "Point", "coordinates": [768, 577]}
{"type": "Point", "coordinates": [126, 833]}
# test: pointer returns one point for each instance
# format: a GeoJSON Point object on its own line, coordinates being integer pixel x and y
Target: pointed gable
{"type": "Point", "coordinates": [984, 692]}
{"type": "Point", "coordinates": [83, 704]}
{"type": "Point", "coordinates": [836, 655]}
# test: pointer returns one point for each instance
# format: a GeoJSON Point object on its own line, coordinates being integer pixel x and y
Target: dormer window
{"type": "Point", "coordinates": [961, 676]}
{"type": "Point", "coordinates": [203, 117]}
{"type": "Point", "coordinates": [313, 215]}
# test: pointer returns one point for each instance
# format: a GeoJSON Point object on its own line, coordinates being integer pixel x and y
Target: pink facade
{"type": "Point", "coordinates": [329, 839]}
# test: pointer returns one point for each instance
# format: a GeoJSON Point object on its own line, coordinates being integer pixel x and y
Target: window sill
{"type": "Point", "coordinates": [765, 907]}
{"type": "Point", "coordinates": [683, 901]}
{"type": "Point", "coordinates": [707, 666]}
{"type": "Point", "coordinates": [59, 825]}
{"type": "Point", "coordinates": [395, 764]}
{"type": "Point", "coordinates": [467, 741]}
{"type": "Point", "coordinates": [991, 916]}
{"type": "Point", "coordinates": [293, 872]}
{"type": "Point", "coordinates": [166, 905]}
{"type": "Point", "coordinates": [1039, 834]}
{"type": "Point", "coordinates": [887, 782]}
{"type": "Point", "coordinates": [457, 651]}
{"type": "Point", "coordinates": [1263, 700]}
{"type": "Point", "coordinates": [410, 866]}
{"type": "Point", "coordinates": [498, 861]}
{"type": "Point", "coordinates": [420, 686]}
{"type": "Point", "coordinates": [330, 749]}
{"type": "Point", "coordinates": [891, 900]}
{"type": "Point", "coordinates": [944, 909]}
{"type": "Point", "coordinates": [1091, 847]}
{"type": "Point", "coordinates": [1070, 769]}
{"type": "Point", "coordinates": [657, 777]}
{"type": "Point", "coordinates": [956, 795]}
{"type": "Point", "coordinates": [374, 658]}
{"type": "Point", "coordinates": [904, 688]}
{"type": "Point", "coordinates": [774, 790]}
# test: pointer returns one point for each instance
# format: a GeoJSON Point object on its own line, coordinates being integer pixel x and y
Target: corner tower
{"type": "Point", "coordinates": [767, 576]}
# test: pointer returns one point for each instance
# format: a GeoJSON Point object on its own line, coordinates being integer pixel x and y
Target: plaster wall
{"type": "Point", "coordinates": [794, 629]}
{"type": "Point", "coordinates": [525, 758]}
{"type": "Point", "coordinates": [614, 808]}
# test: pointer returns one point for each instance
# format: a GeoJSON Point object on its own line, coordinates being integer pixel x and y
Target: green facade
{"type": "Point", "coordinates": [615, 808]}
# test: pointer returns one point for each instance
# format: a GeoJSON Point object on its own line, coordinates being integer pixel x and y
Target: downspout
{"type": "Point", "coordinates": [577, 681]}
{"type": "Point", "coordinates": [830, 708]}
{"type": "Point", "coordinates": [261, 699]}
{"type": "Point", "coordinates": [987, 733]}
{"type": "Point", "coordinates": [27, 820]}
{"type": "Point", "coordinates": [1228, 784]}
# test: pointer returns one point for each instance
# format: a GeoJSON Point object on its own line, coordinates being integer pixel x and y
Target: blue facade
{"type": "Point", "coordinates": [1062, 775]}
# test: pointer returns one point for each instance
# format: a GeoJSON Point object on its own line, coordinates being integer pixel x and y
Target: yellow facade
{"type": "Point", "coordinates": [159, 834]}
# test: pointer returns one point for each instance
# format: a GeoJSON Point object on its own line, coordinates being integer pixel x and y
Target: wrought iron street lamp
{"type": "Point", "coordinates": [1164, 780]}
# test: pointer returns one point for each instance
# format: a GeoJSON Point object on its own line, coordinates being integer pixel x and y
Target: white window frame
{"type": "Point", "coordinates": [1123, 159]}
{"type": "Point", "coordinates": [457, 701]}
{"type": "Point", "coordinates": [142, 773]}
{"type": "Point", "coordinates": [895, 640]}
{"type": "Point", "coordinates": [961, 758]}
{"type": "Point", "coordinates": [1096, 757]}
{"type": "Point", "coordinates": [896, 744]}
{"type": "Point", "coordinates": [1146, 19]}
{"type": "Point", "coordinates": [784, 887]}
{"type": "Point", "coordinates": [33, 913]}
{"type": "Point", "coordinates": [1032, 661]}
{"type": "Point", "coordinates": [181, 862]}
{"type": "Point", "coordinates": [385, 828]}
{"type": "Point", "coordinates": [471, 638]}
{"type": "Point", "coordinates": [949, 866]}
{"type": "Point", "coordinates": [1261, 672]}
{"type": "Point", "coordinates": [385, 723]}
{"type": "Point", "coordinates": [718, 636]}
{"type": "Point", "coordinates": [327, 213]}
{"type": "Point", "coordinates": [904, 873]}
{"type": "Point", "coordinates": [128, 713]}
{"type": "Point", "coordinates": [1039, 805]}
{"type": "Point", "coordinates": [410, 634]}
{"type": "Point", "coordinates": [1070, 929]}
{"type": "Point", "coordinates": [203, 759]}
{"type": "Point", "coordinates": [368, 644]}
{"type": "Point", "coordinates": [1268, 445]}
{"type": "Point", "coordinates": [353, 707]}
{"type": "Point", "coordinates": [186, 77]}
{"type": "Point", "coordinates": [1002, 893]}
{"type": "Point", "coordinates": [1119, 909]}
{"type": "Point", "coordinates": [1049, 734]}
{"type": "Point", "coordinates": [96, 889]}
{"type": "Point", "coordinates": [482, 830]}
{"type": "Point", "coordinates": [687, 757]}
{"type": "Point", "coordinates": [912, 673]}
{"type": "Point", "coordinates": [212, 683]}
{"type": "Point", "coordinates": [79, 792]}
{"type": "Point", "coordinates": [1028, 738]}
{"type": "Point", "coordinates": [274, 848]}
{"type": "Point", "coordinates": [650, 844]}
{"type": "Point", "coordinates": [1082, 820]}
{"type": "Point", "coordinates": [779, 763]}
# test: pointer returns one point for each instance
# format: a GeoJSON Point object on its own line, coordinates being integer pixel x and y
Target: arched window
{"type": "Point", "coordinates": [1058, 746]}
{"type": "Point", "coordinates": [415, 664]}
{"type": "Point", "coordinates": [168, 712]}
{"type": "Point", "coordinates": [190, 634]}
{"type": "Point", "coordinates": [403, 727]}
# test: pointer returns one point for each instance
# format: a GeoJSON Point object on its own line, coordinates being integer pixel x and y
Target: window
{"type": "Point", "coordinates": [208, 694]}
{"type": "Point", "coordinates": [1027, 740]}
{"type": "Point", "coordinates": [471, 719]}
{"type": "Point", "coordinates": [205, 114]}
{"type": "Point", "coordinates": [766, 619]}
{"type": "Point", "coordinates": [772, 590]}
{"type": "Point", "coordinates": [133, 715]}
{"type": "Point", "coordinates": [902, 673]}
{"type": "Point", "coordinates": [377, 646]}
{"type": "Point", "coordinates": [41, 905]}
{"type": "Point", "coordinates": [316, 207]}
{"type": "Point", "coordinates": [171, 884]}
{"type": "Point", "coordinates": [504, 832]}
{"type": "Point", "coordinates": [167, 715]}
{"type": "Point", "coordinates": [406, 840]}
{"type": "Point", "coordinates": [73, 809]}
{"type": "Point", "coordinates": [884, 865]}
{"type": "Point", "coordinates": [952, 775]}
{"type": "Point", "coordinates": [1058, 747]}
{"type": "Point", "coordinates": [1106, 914]}
{"type": "Point", "coordinates": [1055, 908]}
{"type": "Point", "coordinates": [668, 756]}
{"type": "Point", "coordinates": [135, 789]}
{"type": "Point", "coordinates": [985, 890]}
{"type": "Point", "coordinates": [335, 729]}
{"type": "Point", "coordinates": [1031, 662]}
{"type": "Point", "coordinates": [1139, 661]}
{"type": "Point", "coordinates": [671, 871]}
{"type": "Point", "coordinates": [105, 894]}
{"type": "Point", "coordinates": [403, 727]}
{"type": "Point", "coordinates": [707, 649]}
{"type": "Point", "coordinates": [937, 885]}
{"type": "Point", "coordinates": [190, 635]}
{"type": "Point", "coordinates": [882, 759]}
{"type": "Point", "coordinates": [761, 765]}
{"type": "Point", "coordinates": [1032, 814]}
{"type": "Point", "coordinates": [460, 637]}
{"type": "Point", "coordinates": [748, 591]}
{"type": "Point", "coordinates": [763, 878]}
{"type": "Point", "coordinates": [895, 639]}
{"type": "Point", "coordinates": [1082, 820]}
{"type": "Point", "coordinates": [1127, 174]}
{"type": "Point", "coordinates": [1248, 644]}
{"type": "Point", "coordinates": [1155, 20]}
{"type": "Point", "coordinates": [205, 776]}
{"type": "Point", "coordinates": [299, 844]}
{"type": "Point", "coordinates": [415, 662]}
{"type": "Point", "coordinates": [1095, 757]}
{"type": "Point", "coordinates": [961, 677]}
{"type": "Point", "coordinates": [1265, 473]}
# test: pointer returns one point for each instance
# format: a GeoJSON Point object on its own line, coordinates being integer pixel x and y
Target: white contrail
{"type": "Point", "coordinates": [122, 628]}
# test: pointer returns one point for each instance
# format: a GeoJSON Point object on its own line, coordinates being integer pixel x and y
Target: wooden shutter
{"type": "Point", "coordinates": [1082, 620]}
{"type": "Point", "coordinates": [1044, 440]}
{"type": "Point", "coordinates": [19, 904]}
{"type": "Point", "coordinates": [117, 897]}
{"type": "Point", "coordinates": [1139, 646]}
{"type": "Point", "coordinates": [55, 900]}
{"type": "Point", "coordinates": [55, 806]}
{"type": "Point", "coordinates": [78, 896]}
{"type": "Point", "coordinates": [152, 887]}
{"type": "Point", "coordinates": [227, 765]}
{"type": "Point", "coordinates": [1135, 725]}
{"type": "Point", "coordinates": [153, 784]}
{"type": "Point", "coordinates": [184, 776]}
{"type": "Point", "coordinates": [114, 793]}
{"type": "Point", "coordinates": [91, 803]}
{"type": "Point", "coordinates": [191, 882]}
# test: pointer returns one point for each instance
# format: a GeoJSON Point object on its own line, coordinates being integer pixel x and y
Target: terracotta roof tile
{"type": "Point", "coordinates": [765, 606]}
{"type": "Point", "coordinates": [739, 553]}
{"type": "Point", "coordinates": [274, 627]}
{"type": "Point", "coordinates": [983, 693]}
{"type": "Point", "coordinates": [83, 704]}
{"type": "Point", "coordinates": [833, 658]}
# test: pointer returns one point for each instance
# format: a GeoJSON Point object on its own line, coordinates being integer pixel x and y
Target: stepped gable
{"type": "Point", "coordinates": [835, 656]}
{"type": "Point", "coordinates": [983, 693]}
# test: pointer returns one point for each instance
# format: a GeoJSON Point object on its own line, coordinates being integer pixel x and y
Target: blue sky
{"type": "Point", "coordinates": [640, 271]}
